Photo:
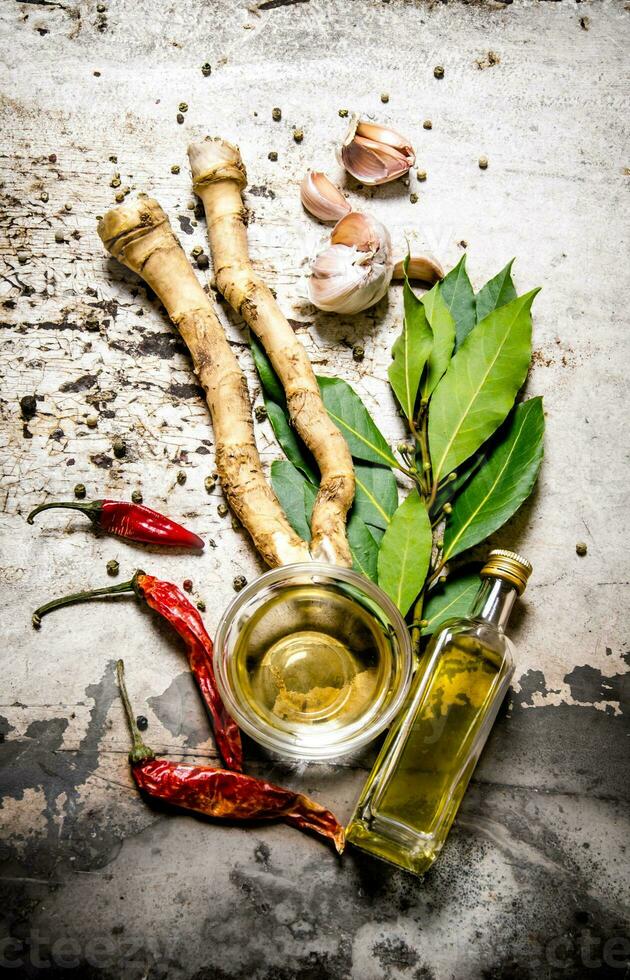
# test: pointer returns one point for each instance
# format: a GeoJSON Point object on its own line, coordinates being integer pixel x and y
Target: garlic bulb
{"type": "Point", "coordinates": [376, 154]}
{"type": "Point", "coordinates": [355, 270]}
{"type": "Point", "coordinates": [321, 198]}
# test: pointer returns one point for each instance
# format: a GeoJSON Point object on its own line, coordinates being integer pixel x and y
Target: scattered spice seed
{"type": "Point", "coordinates": [585, 23]}
{"type": "Point", "coordinates": [222, 510]}
{"type": "Point", "coordinates": [80, 491]}
{"type": "Point", "coordinates": [91, 421]}
{"type": "Point", "coordinates": [203, 262]}
{"type": "Point", "coordinates": [235, 524]}
{"type": "Point", "coordinates": [183, 107]}
{"type": "Point", "coordinates": [206, 69]}
{"type": "Point", "coordinates": [276, 114]}
{"type": "Point", "coordinates": [463, 243]}
{"type": "Point", "coordinates": [142, 722]}
{"type": "Point", "coordinates": [413, 198]}
{"type": "Point", "coordinates": [119, 446]}
{"type": "Point", "coordinates": [260, 412]}
{"type": "Point", "coordinates": [298, 135]}
{"type": "Point", "coordinates": [483, 163]}
{"type": "Point", "coordinates": [115, 181]}
{"type": "Point", "coordinates": [180, 118]}
{"type": "Point", "coordinates": [358, 352]}
{"type": "Point", "coordinates": [209, 483]}
{"type": "Point", "coordinates": [67, 206]}
{"type": "Point", "coordinates": [22, 257]}
{"type": "Point", "coordinates": [101, 8]}
{"type": "Point", "coordinates": [120, 197]}
{"type": "Point", "coordinates": [421, 175]}
{"type": "Point", "coordinates": [438, 71]}
{"type": "Point", "coordinates": [113, 567]}
{"type": "Point", "coordinates": [113, 158]}
{"type": "Point", "coordinates": [343, 113]}
{"type": "Point", "coordinates": [59, 237]}
{"type": "Point", "coordinates": [384, 97]}
{"type": "Point", "coordinates": [52, 158]}
{"type": "Point", "coordinates": [427, 124]}
{"type": "Point", "coordinates": [197, 250]}
{"type": "Point", "coordinates": [28, 406]}
{"type": "Point", "coordinates": [136, 497]}
{"type": "Point", "coordinates": [581, 549]}
{"type": "Point", "coordinates": [44, 196]}
{"type": "Point", "coordinates": [181, 477]}
{"type": "Point", "coordinates": [175, 168]}
{"type": "Point", "coordinates": [273, 156]}
{"type": "Point", "coordinates": [187, 585]}
{"type": "Point", "coordinates": [201, 606]}
{"type": "Point", "coordinates": [239, 583]}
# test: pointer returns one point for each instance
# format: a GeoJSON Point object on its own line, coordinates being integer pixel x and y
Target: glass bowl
{"type": "Point", "coordinates": [312, 660]}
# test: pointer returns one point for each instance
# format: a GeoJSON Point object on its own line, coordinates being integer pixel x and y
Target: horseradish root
{"type": "Point", "coordinates": [218, 178]}
{"type": "Point", "coordinates": [139, 235]}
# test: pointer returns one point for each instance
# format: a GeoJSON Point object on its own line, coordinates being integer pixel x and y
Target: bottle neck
{"type": "Point", "coordinates": [494, 602]}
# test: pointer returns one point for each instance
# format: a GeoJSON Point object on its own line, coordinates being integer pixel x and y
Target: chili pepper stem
{"type": "Point", "coordinates": [91, 508]}
{"type": "Point", "coordinates": [76, 597]}
{"type": "Point", "coordinates": [139, 752]}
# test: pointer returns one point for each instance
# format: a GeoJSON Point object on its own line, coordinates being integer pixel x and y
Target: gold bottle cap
{"type": "Point", "coordinates": [508, 566]}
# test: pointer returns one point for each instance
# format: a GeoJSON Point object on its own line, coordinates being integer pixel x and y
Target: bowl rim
{"type": "Point", "coordinates": [263, 734]}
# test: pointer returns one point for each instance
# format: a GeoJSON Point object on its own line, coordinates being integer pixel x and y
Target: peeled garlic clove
{"type": "Point", "coordinates": [421, 267]}
{"type": "Point", "coordinates": [376, 154]}
{"type": "Point", "coordinates": [321, 198]}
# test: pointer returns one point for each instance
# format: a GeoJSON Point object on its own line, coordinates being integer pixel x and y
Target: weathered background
{"type": "Point", "coordinates": [534, 880]}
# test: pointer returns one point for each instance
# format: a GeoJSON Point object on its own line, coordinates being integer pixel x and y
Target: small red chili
{"type": "Point", "coordinates": [132, 521]}
{"type": "Point", "coordinates": [167, 600]}
{"type": "Point", "coordinates": [221, 793]}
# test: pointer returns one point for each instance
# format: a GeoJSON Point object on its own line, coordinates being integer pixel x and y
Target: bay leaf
{"type": "Point", "coordinates": [268, 377]}
{"type": "Point", "coordinates": [293, 448]}
{"type": "Point", "coordinates": [451, 600]}
{"type": "Point", "coordinates": [480, 385]}
{"type": "Point", "coordinates": [459, 297]}
{"type": "Point", "coordinates": [405, 552]}
{"type": "Point", "coordinates": [410, 351]}
{"type": "Point", "coordinates": [376, 496]}
{"type": "Point", "coordinates": [364, 548]}
{"type": "Point", "coordinates": [500, 486]}
{"type": "Point", "coordinates": [355, 422]}
{"type": "Point", "coordinates": [295, 494]}
{"type": "Point", "coordinates": [496, 292]}
{"type": "Point", "coordinates": [443, 328]}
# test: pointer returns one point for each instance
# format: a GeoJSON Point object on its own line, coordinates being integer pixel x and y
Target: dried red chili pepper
{"type": "Point", "coordinates": [167, 600]}
{"type": "Point", "coordinates": [221, 793]}
{"type": "Point", "coordinates": [127, 520]}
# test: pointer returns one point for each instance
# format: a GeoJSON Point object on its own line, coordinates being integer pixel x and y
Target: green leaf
{"type": "Point", "coordinates": [296, 495]}
{"type": "Point", "coordinates": [460, 299]}
{"type": "Point", "coordinates": [450, 488]}
{"type": "Point", "coordinates": [411, 350]}
{"type": "Point", "coordinates": [499, 488]}
{"type": "Point", "coordinates": [376, 496]}
{"type": "Point", "coordinates": [364, 548]}
{"type": "Point", "coordinates": [443, 327]}
{"type": "Point", "coordinates": [480, 386]}
{"type": "Point", "coordinates": [403, 559]}
{"type": "Point", "coordinates": [288, 440]}
{"type": "Point", "coordinates": [448, 601]}
{"type": "Point", "coordinates": [357, 425]}
{"type": "Point", "coordinates": [497, 292]}
{"type": "Point", "coordinates": [268, 377]}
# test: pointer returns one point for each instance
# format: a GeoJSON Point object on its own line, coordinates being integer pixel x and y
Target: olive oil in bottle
{"type": "Point", "coordinates": [413, 793]}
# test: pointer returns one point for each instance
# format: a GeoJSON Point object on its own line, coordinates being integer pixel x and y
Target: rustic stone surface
{"type": "Point", "coordinates": [532, 882]}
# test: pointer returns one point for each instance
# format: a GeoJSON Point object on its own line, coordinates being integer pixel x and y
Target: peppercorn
{"type": "Point", "coordinates": [187, 585]}
{"type": "Point", "coordinates": [222, 510]}
{"type": "Point", "coordinates": [101, 8]}
{"type": "Point", "coordinates": [22, 257]}
{"type": "Point", "coordinates": [438, 71]}
{"type": "Point", "coordinates": [235, 524]}
{"type": "Point", "coordinates": [115, 181]}
{"type": "Point", "coordinates": [59, 237]}
{"type": "Point", "coordinates": [180, 118]}
{"type": "Point", "coordinates": [43, 196]}
{"type": "Point", "coordinates": [197, 250]}
{"type": "Point", "coordinates": [201, 606]}
{"type": "Point", "coordinates": [203, 262]}
{"type": "Point", "coordinates": [239, 583]}
{"type": "Point", "coordinates": [483, 163]}
{"type": "Point", "coordinates": [119, 447]}
{"type": "Point", "coordinates": [67, 206]}
{"type": "Point", "coordinates": [91, 421]}
{"type": "Point", "coordinates": [427, 124]}
{"type": "Point", "coordinates": [112, 567]}
{"type": "Point", "coordinates": [136, 497]}
{"type": "Point", "coordinates": [142, 722]}
{"type": "Point", "coordinates": [28, 406]}
{"type": "Point", "coordinates": [183, 107]}
{"type": "Point", "coordinates": [206, 69]}
{"type": "Point", "coordinates": [272, 155]}
{"type": "Point", "coordinates": [581, 549]}
{"type": "Point", "coordinates": [298, 135]}
{"type": "Point", "coordinates": [358, 352]}
{"type": "Point", "coordinates": [80, 491]}
{"type": "Point", "coordinates": [421, 175]}
{"type": "Point", "coordinates": [209, 483]}
{"type": "Point", "coordinates": [120, 197]}
{"type": "Point", "coordinates": [181, 477]}
{"type": "Point", "coordinates": [343, 113]}
{"type": "Point", "coordinates": [463, 243]}
{"type": "Point", "coordinates": [260, 412]}
{"type": "Point", "coordinates": [384, 97]}
{"type": "Point", "coordinates": [413, 198]}
{"type": "Point", "coordinates": [276, 114]}
{"type": "Point", "coordinates": [175, 168]}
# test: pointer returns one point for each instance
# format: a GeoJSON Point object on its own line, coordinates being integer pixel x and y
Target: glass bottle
{"type": "Point", "coordinates": [410, 800]}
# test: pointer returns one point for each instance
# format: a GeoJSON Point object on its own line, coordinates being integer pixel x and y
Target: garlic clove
{"type": "Point", "coordinates": [321, 198]}
{"type": "Point", "coordinates": [421, 268]}
{"type": "Point", "coordinates": [360, 230]}
{"type": "Point", "coordinates": [387, 137]}
{"type": "Point", "coordinates": [376, 154]}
